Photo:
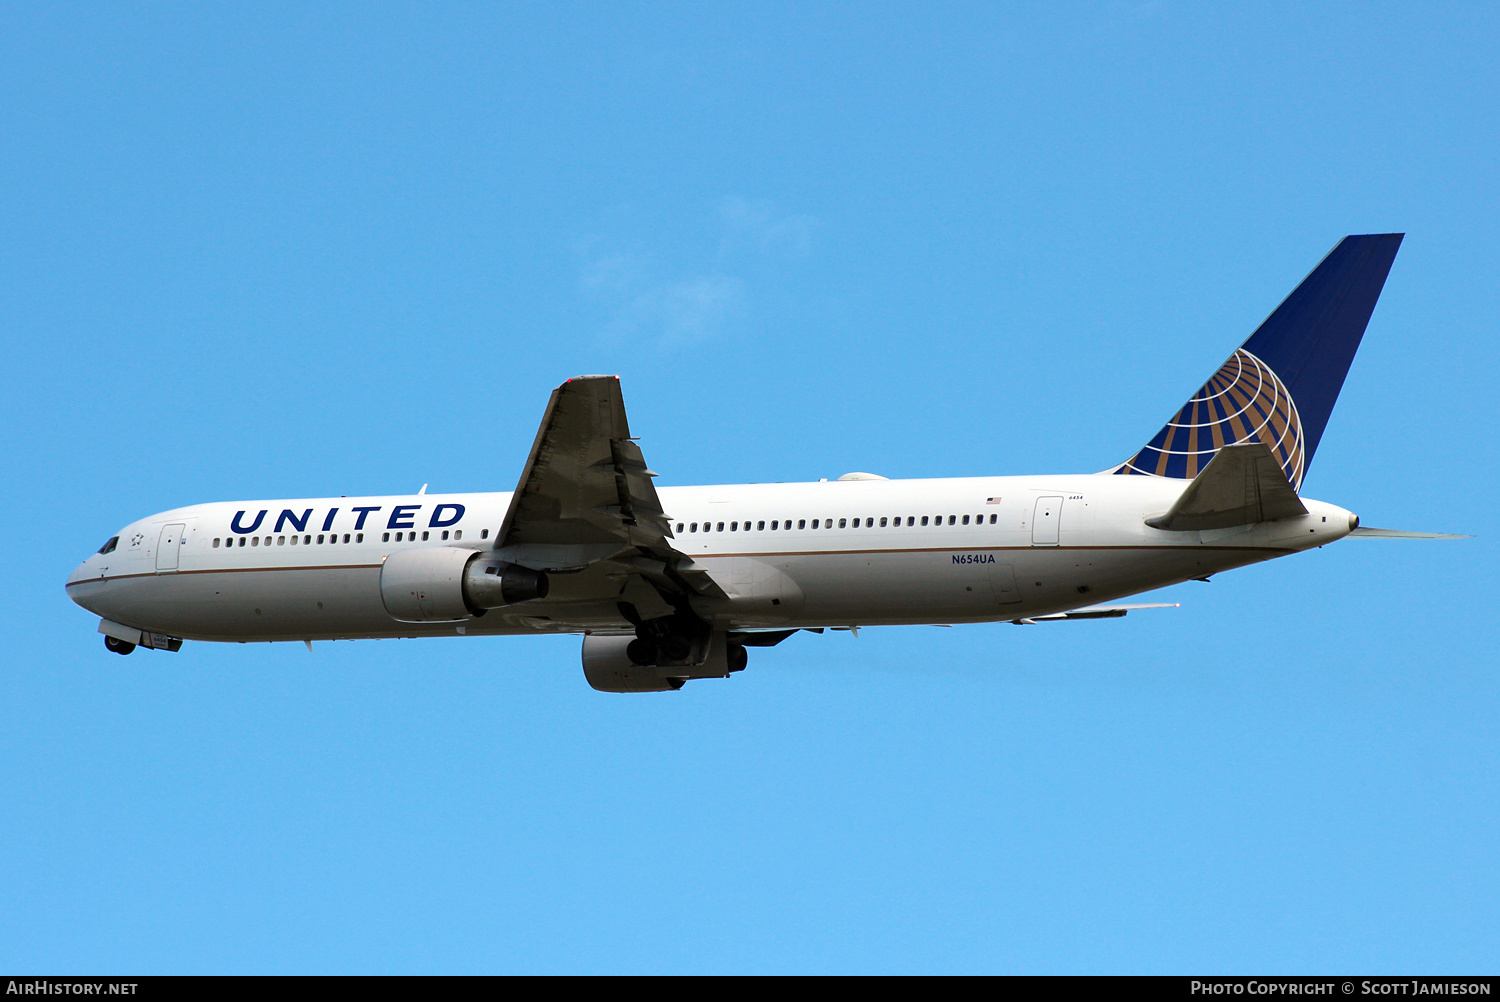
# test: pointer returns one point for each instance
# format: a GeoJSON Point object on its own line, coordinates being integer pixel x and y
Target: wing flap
{"type": "Point", "coordinates": [1243, 484]}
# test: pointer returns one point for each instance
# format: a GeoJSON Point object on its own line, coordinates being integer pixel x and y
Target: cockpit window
{"type": "Point", "coordinates": [109, 547]}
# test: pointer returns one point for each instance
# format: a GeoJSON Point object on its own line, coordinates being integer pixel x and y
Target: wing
{"type": "Point", "coordinates": [1095, 612]}
{"type": "Point", "coordinates": [1369, 532]}
{"type": "Point", "coordinates": [1243, 484]}
{"type": "Point", "coordinates": [586, 495]}
{"type": "Point", "coordinates": [585, 486]}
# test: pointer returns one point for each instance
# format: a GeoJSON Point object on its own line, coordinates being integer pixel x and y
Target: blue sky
{"type": "Point", "coordinates": [261, 251]}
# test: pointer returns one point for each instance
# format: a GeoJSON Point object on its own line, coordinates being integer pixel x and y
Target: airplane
{"type": "Point", "coordinates": [673, 584]}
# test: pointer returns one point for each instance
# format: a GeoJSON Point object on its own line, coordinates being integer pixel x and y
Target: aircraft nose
{"type": "Point", "coordinates": [79, 583]}
{"type": "Point", "coordinates": [80, 573]}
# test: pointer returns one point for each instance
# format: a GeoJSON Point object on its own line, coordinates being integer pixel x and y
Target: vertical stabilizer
{"type": "Point", "coordinates": [1279, 387]}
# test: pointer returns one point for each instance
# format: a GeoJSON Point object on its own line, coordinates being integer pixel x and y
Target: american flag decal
{"type": "Point", "coordinates": [991, 500]}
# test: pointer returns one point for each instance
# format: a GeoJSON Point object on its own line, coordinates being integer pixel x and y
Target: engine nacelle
{"type": "Point", "coordinates": [609, 668]}
{"type": "Point", "coordinates": [446, 584]}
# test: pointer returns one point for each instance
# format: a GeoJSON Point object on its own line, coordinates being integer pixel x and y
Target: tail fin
{"type": "Point", "coordinates": [1279, 387]}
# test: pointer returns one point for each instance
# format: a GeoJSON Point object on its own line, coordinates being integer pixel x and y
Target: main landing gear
{"type": "Point", "coordinates": [118, 646]}
{"type": "Point", "coordinates": [667, 648]}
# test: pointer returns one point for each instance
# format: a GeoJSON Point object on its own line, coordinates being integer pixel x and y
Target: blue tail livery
{"type": "Point", "coordinates": [1279, 387]}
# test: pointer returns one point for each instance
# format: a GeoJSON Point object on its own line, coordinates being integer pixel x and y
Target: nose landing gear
{"type": "Point", "coordinates": [118, 646]}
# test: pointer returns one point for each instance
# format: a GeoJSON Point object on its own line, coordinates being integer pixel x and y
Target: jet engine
{"type": "Point", "coordinates": [444, 584]}
{"type": "Point", "coordinates": [609, 667]}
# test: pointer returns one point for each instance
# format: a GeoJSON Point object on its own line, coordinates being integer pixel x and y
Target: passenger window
{"type": "Point", "coordinates": [952, 519]}
{"type": "Point", "coordinates": [255, 541]}
{"type": "Point", "coordinates": [483, 534]}
{"type": "Point", "coordinates": [425, 534]}
{"type": "Point", "coordinates": [774, 522]}
{"type": "Point", "coordinates": [216, 542]}
{"type": "Point", "coordinates": [385, 537]}
{"type": "Point", "coordinates": [458, 534]}
{"type": "Point", "coordinates": [720, 527]}
{"type": "Point", "coordinates": [679, 526]}
{"type": "Point", "coordinates": [843, 522]}
{"type": "Point", "coordinates": [280, 540]}
{"type": "Point", "coordinates": [924, 519]}
{"type": "Point", "coordinates": [359, 537]}
{"type": "Point", "coordinates": [802, 523]}
{"type": "Point", "coordinates": [306, 540]}
{"type": "Point", "coordinates": [760, 526]}
{"type": "Point", "coordinates": [694, 528]}
{"type": "Point", "coordinates": [992, 520]}
{"type": "Point", "coordinates": [445, 533]}
{"type": "Point", "coordinates": [966, 520]}
{"type": "Point", "coordinates": [734, 527]}
{"type": "Point", "coordinates": [882, 521]}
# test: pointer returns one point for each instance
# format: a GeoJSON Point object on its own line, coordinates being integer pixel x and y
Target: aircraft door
{"type": "Point", "coordinates": [1045, 521]}
{"type": "Point", "coordinates": [168, 545]}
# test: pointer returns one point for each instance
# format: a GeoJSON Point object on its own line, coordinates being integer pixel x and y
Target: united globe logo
{"type": "Point", "coordinates": [1243, 402]}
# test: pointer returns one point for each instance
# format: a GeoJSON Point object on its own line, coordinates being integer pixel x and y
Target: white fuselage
{"type": "Point", "coordinates": [883, 552]}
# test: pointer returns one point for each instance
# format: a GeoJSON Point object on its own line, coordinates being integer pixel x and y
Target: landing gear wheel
{"type": "Point", "coordinates": [118, 646]}
{"type": "Point", "coordinates": [676, 648]}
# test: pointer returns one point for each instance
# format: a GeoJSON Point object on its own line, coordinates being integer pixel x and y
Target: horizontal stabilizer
{"type": "Point", "coordinates": [1370, 532]}
{"type": "Point", "coordinates": [1243, 484]}
{"type": "Point", "coordinates": [1095, 612]}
